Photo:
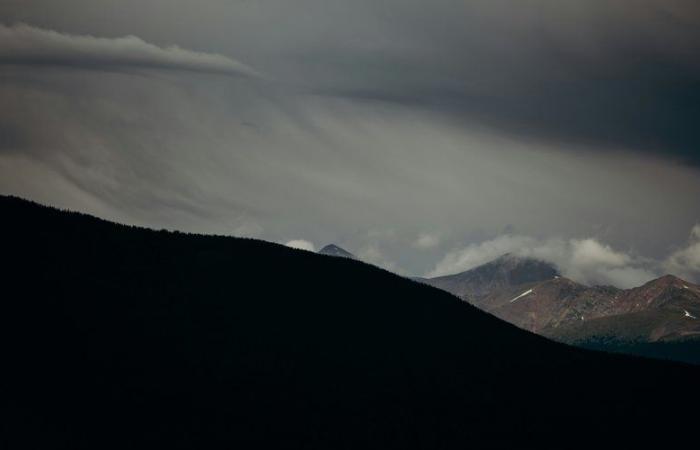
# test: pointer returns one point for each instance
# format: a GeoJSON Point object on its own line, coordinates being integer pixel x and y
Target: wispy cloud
{"type": "Point", "coordinates": [301, 244]}
{"type": "Point", "coordinates": [27, 45]}
{"type": "Point", "coordinates": [426, 241]}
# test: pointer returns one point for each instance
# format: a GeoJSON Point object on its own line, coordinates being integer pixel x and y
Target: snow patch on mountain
{"type": "Point", "coordinates": [528, 292]}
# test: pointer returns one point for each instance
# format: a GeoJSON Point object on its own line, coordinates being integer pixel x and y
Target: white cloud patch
{"type": "Point", "coordinates": [426, 241]}
{"type": "Point", "coordinates": [591, 253]}
{"type": "Point", "coordinates": [301, 244]}
{"type": "Point", "coordinates": [587, 261]}
{"type": "Point", "coordinates": [475, 255]}
{"type": "Point", "coordinates": [591, 262]}
{"type": "Point", "coordinates": [685, 262]}
{"type": "Point", "coordinates": [27, 45]}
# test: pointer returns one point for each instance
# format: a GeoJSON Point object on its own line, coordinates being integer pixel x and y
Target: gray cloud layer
{"type": "Point", "coordinates": [24, 44]}
{"type": "Point", "coordinates": [605, 74]}
{"type": "Point", "coordinates": [402, 130]}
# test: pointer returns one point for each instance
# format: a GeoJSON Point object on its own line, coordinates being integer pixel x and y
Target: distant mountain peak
{"type": "Point", "coordinates": [664, 283]}
{"type": "Point", "coordinates": [334, 250]}
{"type": "Point", "coordinates": [669, 280]}
{"type": "Point", "coordinates": [513, 265]}
{"type": "Point", "coordinates": [663, 289]}
{"type": "Point", "coordinates": [518, 259]}
{"type": "Point", "coordinates": [511, 256]}
{"type": "Point", "coordinates": [507, 270]}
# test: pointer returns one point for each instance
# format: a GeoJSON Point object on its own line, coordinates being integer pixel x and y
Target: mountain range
{"type": "Point", "coordinates": [122, 337]}
{"type": "Point", "coordinates": [533, 295]}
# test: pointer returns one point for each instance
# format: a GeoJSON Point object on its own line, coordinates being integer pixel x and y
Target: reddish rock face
{"type": "Point", "coordinates": [657, 293]}
{"type": "Point", "coordinates": [552, 304]}
{"type": "Point", "coordinates": [543, 302]}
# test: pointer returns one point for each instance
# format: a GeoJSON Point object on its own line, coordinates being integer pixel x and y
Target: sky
{"type": "Point", "coordinates": [425, 137]}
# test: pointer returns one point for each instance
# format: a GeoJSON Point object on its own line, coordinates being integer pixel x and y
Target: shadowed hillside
{"type": "Point", "coordinates": [119, 337]}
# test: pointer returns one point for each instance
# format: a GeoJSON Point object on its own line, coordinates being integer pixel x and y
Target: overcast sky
{"type": "Point", "coordinates": [424, 136]}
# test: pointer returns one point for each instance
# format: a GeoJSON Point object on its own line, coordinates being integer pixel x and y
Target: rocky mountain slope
{"type": "Point", "coordinates": [663, 310]}
{"type": "Point", "coordinates": [502, 273]}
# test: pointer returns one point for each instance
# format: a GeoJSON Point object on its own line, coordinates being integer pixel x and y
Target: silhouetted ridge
{"type": "Point", "coordinates": [122, 337]}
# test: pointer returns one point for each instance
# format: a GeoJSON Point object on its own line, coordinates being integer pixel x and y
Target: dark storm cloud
{"type": "Point", "coordinates": [608, 74]}
{"type": "Point", "coordinates": [410, 132]}
{"type": "Point", "coordinates": [26, 45]}
{"type": "Point", "coordinates": [605, 74]}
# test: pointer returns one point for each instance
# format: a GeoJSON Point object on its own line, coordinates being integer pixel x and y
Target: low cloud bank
{"type": "Point", "coordinates": [587, 261]}
{"type": "Point", "coordinates": [685, 262]}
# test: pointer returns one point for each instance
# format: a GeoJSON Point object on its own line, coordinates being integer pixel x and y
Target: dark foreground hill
{"type": "Point", "coordinates": [118, 337]}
